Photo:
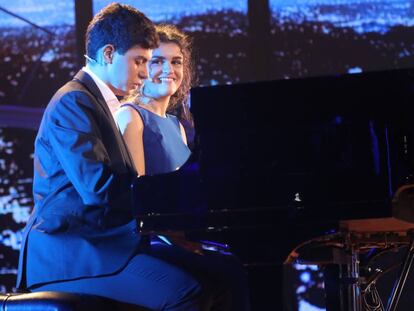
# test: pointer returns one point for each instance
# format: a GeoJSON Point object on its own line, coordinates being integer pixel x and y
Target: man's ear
{"type": "Point", "coordinates": [108, 53]}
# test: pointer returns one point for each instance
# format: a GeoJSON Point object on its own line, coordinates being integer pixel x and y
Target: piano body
{"type": "Point", "coordinates": [277, 163]}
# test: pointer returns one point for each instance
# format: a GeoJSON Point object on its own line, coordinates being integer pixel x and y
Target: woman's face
{"type": "Point", "coordinates": [165, 71]}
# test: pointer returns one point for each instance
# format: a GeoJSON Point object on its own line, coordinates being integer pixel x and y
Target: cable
{"type": "Point", "coordinates": [371, 299]}
{"type": "Point", "coordinates": [294, 254]}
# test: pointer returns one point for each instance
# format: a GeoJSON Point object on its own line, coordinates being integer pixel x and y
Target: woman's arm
{"type": "Point", "coordinates": [183, 135]}
{"type": "Point", "coordinates": [132, 128]}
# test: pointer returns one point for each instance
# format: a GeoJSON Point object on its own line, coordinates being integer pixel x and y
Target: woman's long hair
{"type": "Point", "coordinates": [179, 102]}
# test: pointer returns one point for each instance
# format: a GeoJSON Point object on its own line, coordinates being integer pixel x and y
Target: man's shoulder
{"type": "Point", "coordinates": [72, 91]}
{"type": "Point", "coordinates": [71, 87]}
{"type": "Point", "coordinates": [80, 84]}
{"type": "Point", "coordinates": [73, 98]}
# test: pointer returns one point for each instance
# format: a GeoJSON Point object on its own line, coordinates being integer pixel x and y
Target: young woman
{"type": "Point", "coordinates": [151, 123]}
{"type": "Point", "coordinates": [157, 142]}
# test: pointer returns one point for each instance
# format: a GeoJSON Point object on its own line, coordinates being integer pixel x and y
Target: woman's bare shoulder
{"type": "Point", "coordinates": [127, 115]}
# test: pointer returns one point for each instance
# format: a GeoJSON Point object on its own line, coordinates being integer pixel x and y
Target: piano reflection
{"type": "Point", "coordinates": [281, 164]}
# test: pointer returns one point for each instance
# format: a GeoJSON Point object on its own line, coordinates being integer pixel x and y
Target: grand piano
{"type": "Point", "coordinates": [278, 163]}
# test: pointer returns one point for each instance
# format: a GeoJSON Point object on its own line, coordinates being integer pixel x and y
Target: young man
{"type": "Point", "coordinates": [82, 236]}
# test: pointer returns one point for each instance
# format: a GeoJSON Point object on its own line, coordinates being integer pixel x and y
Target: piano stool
{"type": "Point", "coordinates": [59, 301]}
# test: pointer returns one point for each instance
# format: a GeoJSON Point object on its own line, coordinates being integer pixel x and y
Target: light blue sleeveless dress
{"type": "Point", "coordinates": [164, 148]}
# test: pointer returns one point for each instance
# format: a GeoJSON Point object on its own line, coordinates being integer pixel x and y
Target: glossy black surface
{"type": "Point", "coordinates": [330, 142]}
{"type": "Point", "coordinates": [277, 163]}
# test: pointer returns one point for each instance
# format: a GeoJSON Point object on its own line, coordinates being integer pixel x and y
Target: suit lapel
{"type": "Point", "coordinates": [87, 81]}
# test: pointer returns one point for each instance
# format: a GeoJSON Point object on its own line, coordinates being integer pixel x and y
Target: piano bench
{"type": "Point", "coordinates": [59, 301]}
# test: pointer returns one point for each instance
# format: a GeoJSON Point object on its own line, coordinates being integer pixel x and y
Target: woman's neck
{"type": "Point", "coordinates": [158, 105]}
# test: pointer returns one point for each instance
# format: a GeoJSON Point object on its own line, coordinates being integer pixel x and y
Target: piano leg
{"type": "Point", "coordinates": [402, 277]}
{"type": "Point", "coordinates": [331, 274]}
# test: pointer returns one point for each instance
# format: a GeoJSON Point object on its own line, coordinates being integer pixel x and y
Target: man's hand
{"type": "Point", "coordinates": [177, 238]}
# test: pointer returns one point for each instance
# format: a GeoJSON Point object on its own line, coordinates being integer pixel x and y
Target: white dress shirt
{"type": "Point", "coordinates": [109, 96]}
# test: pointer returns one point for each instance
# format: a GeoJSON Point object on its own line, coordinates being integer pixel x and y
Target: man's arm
{"type": "Point", "coordinates": [75, 137]}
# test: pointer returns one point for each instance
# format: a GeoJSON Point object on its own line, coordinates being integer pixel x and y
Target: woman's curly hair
{"type": "Point", "coordinates": [179, 101]}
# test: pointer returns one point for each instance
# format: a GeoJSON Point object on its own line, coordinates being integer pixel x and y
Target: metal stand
{"type": "Point", "coordinates": [402, 277]}
{"type": "Point", "coordinates": [342, 279]}
{"type": "Point", "coordinates": [355, 286]}
{"type": "Point", "coordinates": [344, 285]}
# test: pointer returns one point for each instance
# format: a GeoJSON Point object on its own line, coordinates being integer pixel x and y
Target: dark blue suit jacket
{"type": "Point", "coordinates": [83, 222]}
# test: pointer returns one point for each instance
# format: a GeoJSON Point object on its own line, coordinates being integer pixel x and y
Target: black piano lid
{"type": "Point", "coordinates": [328, 146]}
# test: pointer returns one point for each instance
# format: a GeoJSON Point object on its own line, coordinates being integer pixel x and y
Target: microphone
{"type": "Point", "coordinates": [89, 59]}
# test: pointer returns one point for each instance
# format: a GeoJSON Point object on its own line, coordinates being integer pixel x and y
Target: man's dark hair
{"type": "Point", "coordinates": [122, 26]}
